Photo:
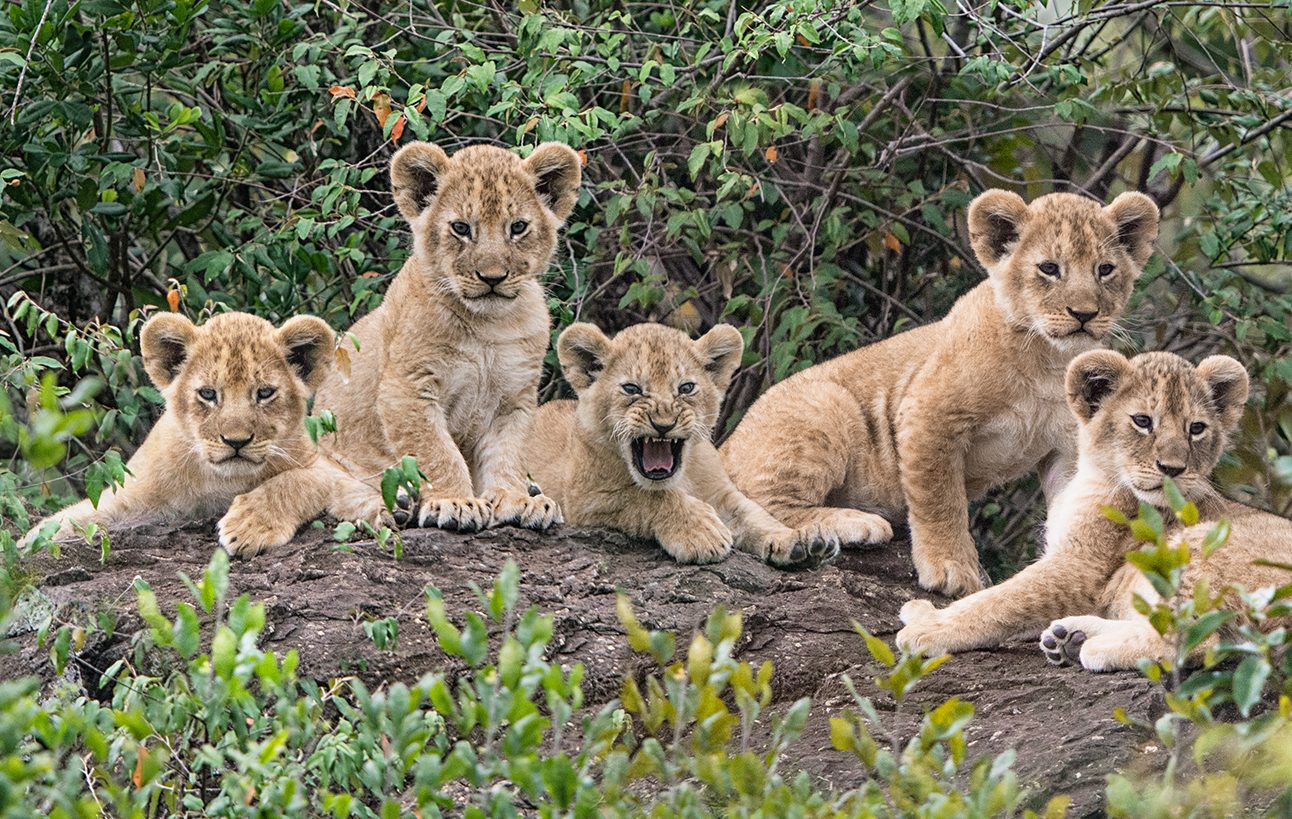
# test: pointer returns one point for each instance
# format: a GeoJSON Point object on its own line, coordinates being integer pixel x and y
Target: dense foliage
{"type": "Point", "coordinates": [800, 169]}
{"type": "Point", "coordinates": [214, 725]}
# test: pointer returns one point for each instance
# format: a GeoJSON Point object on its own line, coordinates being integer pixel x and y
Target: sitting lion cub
{"type": "Point", "coordinates": [634, 452]}
{"type": "Point", "coordinates": [1142, 420]}
{"type": "Point", "coordinates": [447, 368]}
{"type": "Point", "coordinates": [232, 436]}
{"type": "Point", "coordinates": [929, 419]}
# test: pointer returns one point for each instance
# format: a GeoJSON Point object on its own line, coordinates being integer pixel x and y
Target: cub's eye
{"type": "Point", "coordinates": [1142, 421]}
{"type": "Point", "coordinates": [1197, 428]}
{"type": "Point", "coordinates": [1106, 270]}
{"type": "Point", "coordinates": [1049, 268]}
{"type": "Point", "coordinates": [265, 393]}
{"type": "Point", "coordinates": [206, 394]}
{"type": "Point", "coordinates": [632, 389]}
{"type": "Point", "coordinates": [686, 388]}
{"type": "Point", "coordinates": [461, 228]}
{"type": "Point", "coordinates": [518, 227]}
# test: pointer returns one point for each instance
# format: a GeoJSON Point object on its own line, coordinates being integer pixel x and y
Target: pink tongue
{"type": "Point", "coordinates": [657, 456]}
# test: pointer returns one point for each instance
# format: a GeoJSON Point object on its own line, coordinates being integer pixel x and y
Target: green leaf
{"type": "Point", "coordinates": [1249, 682]}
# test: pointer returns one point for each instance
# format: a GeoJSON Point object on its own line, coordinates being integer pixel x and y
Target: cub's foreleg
{"type": "Point", "coordinates": [415, 425]}
{"type": "Point", "coordinates": [753, 529]}
{"type": "Point", "coordinates": [500, 459]}
{"type": "Point", "coordinates": [1052, 587]}
{"type": "Point", "coordinates": [270, 514]}
{"type": "Point", "coordinates": [932, 448]}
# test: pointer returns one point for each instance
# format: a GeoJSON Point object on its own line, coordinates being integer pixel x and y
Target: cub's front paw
{"type": "Point", "coordinates": [926, 629]}
{"type": "Point", "coordinates": [512, 508]}
{"type": "Point", "coordinates": [952, 576]}
{"type": "Point", "coordinates": [809, 545]}
{"type": "Point", "coordinates": [455, 514]}
{"type": "Point", "coordinates": [248, 528]}
{"type": "Point", "coordinates": [701, 539]}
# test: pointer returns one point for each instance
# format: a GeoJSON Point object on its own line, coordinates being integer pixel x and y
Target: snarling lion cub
{"type": "Point", "coordinates": [929, 419]}
{"type": "Point", "coordinates": [447, 368]}
{"type": "Point", "coordinates": [232, 436]}
{"type": "Point", "coordinates": [634, 452]}
{"type": "Point", "coordinates": [1143, 420]}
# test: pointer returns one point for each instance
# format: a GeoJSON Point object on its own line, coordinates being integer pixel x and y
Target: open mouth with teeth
{"type": "Point", "coordinates": [657, 459]}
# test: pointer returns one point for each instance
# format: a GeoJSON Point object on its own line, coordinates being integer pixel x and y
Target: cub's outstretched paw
{"type": "Point", "coordinates": [248, 528]}
{"type": "Point", "coordinates": [1061, 645]}
{"type": "Point", "coordinates": [528, 510]}
{"type": "Point", "coordinates": [702, 539]}
{"type": "Point", "coordinates": [853, 527]}
{"type": "Point", "coordinates": [925, 629]}
{"type": "Point", "coordinates": [455, 514]}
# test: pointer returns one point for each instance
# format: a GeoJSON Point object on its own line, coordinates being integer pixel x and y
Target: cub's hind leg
{"type": "Point", "coordinates": [791, 460]}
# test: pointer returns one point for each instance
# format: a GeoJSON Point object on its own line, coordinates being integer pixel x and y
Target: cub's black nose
{"type": "Point", "coordinates": [663, 429]}
{"type": "Point", "coordinates": [1169, 470]}
{"type": "Point", "coordinates": [236, 443]}
{"type": "Point", "coordinates": [1082, 315]}
{"type": "Point", "coordinates": [492, 281]}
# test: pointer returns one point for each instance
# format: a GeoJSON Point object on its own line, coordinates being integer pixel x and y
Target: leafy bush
{"type": "Point", "coordinates": [204, 721]}
{"type": "Point", "coordinates": [797, 168]}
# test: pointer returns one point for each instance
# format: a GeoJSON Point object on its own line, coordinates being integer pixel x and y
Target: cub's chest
{"type": "Point", "coordinates": [1021, 432]}
{"type": "Point", "coordinates": [475, 380]}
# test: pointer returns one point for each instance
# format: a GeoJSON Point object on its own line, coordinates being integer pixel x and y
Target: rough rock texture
{"type": "Point", "coordinates": [1059, 720]}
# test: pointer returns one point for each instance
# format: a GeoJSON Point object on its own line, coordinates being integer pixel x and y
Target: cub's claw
{"type": "Point", "coordinates": [528, 510]}
{"type": "Point", "coordinates": [455, 514]}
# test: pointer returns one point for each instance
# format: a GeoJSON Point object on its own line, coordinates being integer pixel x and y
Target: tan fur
{"type": "Point", "coordinates": [447, 369]}
{"type": "Point", "coordinates": [583, 452]}
{"type": "Point", "coordinates": [932, 418]}
{"type": "Point", "coordinates": [1082, 582]}
{"type": "Point", "coordinates": [186, 467]}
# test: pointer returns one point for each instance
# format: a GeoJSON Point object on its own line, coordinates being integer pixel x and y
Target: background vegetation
{"type": "Point", "coordinates": [800, 169]}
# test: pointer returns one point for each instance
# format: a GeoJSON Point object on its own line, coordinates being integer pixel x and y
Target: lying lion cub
{"type": "Point", "coordinates": [634, 452]}
{"type": "Point", "coordinates": [1142, 420]}
{"type": "Point", "coordinates": [232, 436]}
{"type": "Point", "coordinates": [929, 419]}
{"type": "Point", "coordinates": [447, 368]}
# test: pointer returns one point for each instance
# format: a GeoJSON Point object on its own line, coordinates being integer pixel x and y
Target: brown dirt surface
{"type": "Point", "coordinates": [1058, 720]}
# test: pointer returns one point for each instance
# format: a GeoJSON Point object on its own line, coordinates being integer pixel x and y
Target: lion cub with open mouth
{"type": "Point", "coordinates": [232, 436]}
{"type": "Point", "coordinates": [634, 453]}
{"type": "Point", "coordinates": [1142, 420]}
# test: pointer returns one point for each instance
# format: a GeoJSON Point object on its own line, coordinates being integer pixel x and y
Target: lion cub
{"type": "Point", "coordinates": [929, 419]}
{"type": "Point", "coordinates": [1142, 420]}
{"type": "Point", "coordinates": [634, 452]}
{"type": "Point", "coordinates": [232, 436]}
{"type": "Point", "coordinates": [447, 368]}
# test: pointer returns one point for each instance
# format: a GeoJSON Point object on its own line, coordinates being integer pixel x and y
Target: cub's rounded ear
{"type": "Point", "coordinates": [1227, 382]}
{"type": "Point", "coordinates": [309, 342]}
{"type": "Point", "coordinates": [164, 342]}
{"type": "Point", "coordinates": [720, 350]}
{"type": "Point", "coordinates": [1092, 377]}
{"type": "Point", "coordinates": [1136, 217]}
{"type": "Point", "coordinates": [996, 218]}
{"type": "Point", "coordinates": [557, 172]}
{"type": "Point", "coordinates": [415, 173]}
{"type": "Point", "coordinates": [582, 350]}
